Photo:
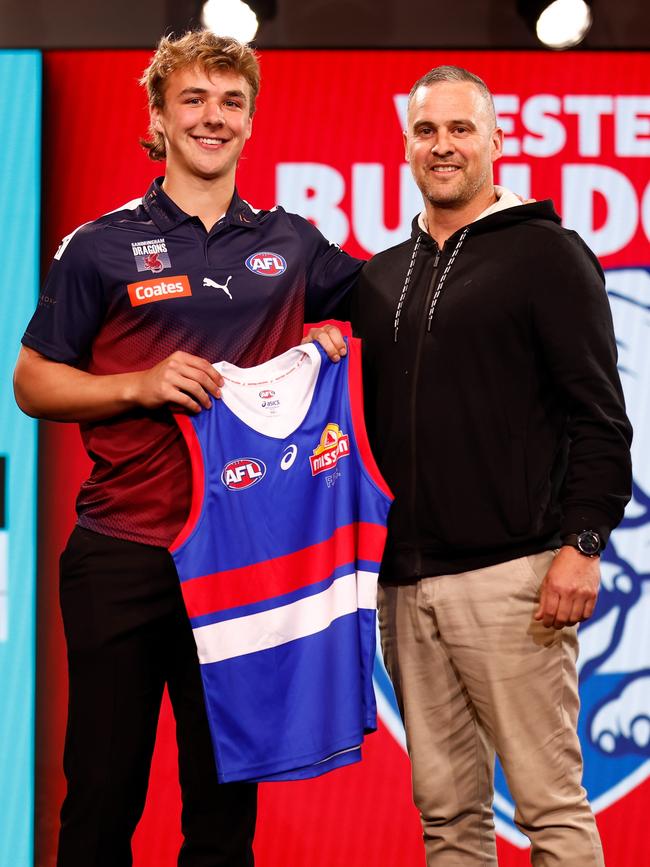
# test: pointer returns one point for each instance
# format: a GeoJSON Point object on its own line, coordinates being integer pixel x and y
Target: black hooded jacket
{"type": "Point", "coordinates": [492, 398]}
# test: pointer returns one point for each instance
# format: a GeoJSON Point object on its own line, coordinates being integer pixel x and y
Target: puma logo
{"type": "Point", "coordinates": [208, 282]}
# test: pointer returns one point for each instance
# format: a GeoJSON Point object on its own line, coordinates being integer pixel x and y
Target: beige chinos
{"type": "Point", "coordinates": [474, 674]}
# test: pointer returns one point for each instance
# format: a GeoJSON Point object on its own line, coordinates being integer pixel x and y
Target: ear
{"type": "Point", "coordinates": [155, 115]}
{"type": "Point", "coordinates": [249, 131]}
{"type": "Point", "coordinates": [405, 139]}
{"type": "Point", "coordinates": [497, 144]}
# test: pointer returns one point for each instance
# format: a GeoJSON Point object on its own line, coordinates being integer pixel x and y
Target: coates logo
{"type": "Point", "coordinates": [333, 446]}
{"type": "Point", "coordinates": [158, 290]}
{"type": "Point", "coordinates": [267, 394]}
{"type": "Point", "coordinates": [267, 264]}
{"type": "Point", "coordinates": [242, 473]}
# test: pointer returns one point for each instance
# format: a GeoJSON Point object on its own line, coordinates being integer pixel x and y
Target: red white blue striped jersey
{"type": "Point", "coordinates": [278, 565]}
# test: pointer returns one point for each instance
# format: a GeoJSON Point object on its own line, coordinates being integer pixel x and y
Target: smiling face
{"type": "Point", "coordinates": [451, 143]}
{"type": "Point", "coordinates": [205, 122]}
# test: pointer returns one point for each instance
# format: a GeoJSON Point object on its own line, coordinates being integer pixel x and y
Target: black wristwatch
{"type": "Point", "coordinates": [588, 542]}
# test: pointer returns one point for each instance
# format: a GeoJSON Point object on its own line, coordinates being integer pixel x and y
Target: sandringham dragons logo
{"type": "Point", "coordinates": [151, 255]}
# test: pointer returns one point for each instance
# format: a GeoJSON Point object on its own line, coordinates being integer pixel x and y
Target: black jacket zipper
{"type": "Point", "coordinates": [417, 566]}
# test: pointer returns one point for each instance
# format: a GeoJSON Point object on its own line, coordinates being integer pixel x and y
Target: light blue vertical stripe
{"type": "Point", "coordinates": [20, 129]}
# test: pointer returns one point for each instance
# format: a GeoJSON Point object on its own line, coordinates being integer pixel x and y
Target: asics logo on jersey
{"type": "Point", "coordinates": [242, 473]}
{"type": "Point", "coordinates": [223, 286]}
{"type": "Point", "coordinates": [288, 457]}
{"type": "Point", "coordinates": [266, 264]}
{"type": "Point", "coordinates": [333, 446]}
{"type": "Point", "coordinates": [158, 290]}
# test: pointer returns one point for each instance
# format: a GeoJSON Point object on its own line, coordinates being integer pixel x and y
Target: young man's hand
{"type": "Point", "coordinates": [61, 392]}
{"type": "Point", "coordinates": [181, 380]}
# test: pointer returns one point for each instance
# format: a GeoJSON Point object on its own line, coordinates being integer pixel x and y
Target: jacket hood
{"type": "Point", "coordinates": [501, 219]}
{"type": "Point", "coordinates": [543, 210]}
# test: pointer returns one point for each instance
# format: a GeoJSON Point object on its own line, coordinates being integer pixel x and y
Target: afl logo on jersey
{"type": "Point", "coordinates": [266, 264]}
{"type": "Point", "coordinates": [267, 394]}
{"type": "Point", "coordinates": [242, 473]}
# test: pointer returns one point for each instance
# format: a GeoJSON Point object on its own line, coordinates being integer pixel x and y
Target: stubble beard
{"type": "Point", "coordinates": [457, 197]}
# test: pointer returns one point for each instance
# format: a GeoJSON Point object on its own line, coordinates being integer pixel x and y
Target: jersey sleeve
{"type": "Point", "coordinates": [71, 304]}
{"type": "Point", "coordinates": [331, 274]}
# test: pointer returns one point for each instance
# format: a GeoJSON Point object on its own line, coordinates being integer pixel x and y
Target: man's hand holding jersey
{"type": "Point", "coordinates": [61, 392]}
{"type": "Point", "coordinates": [182, 380]}
{"type": "Point", "coordinates": [330, 338]}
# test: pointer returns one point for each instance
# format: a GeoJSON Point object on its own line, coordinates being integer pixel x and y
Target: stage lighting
{"type": "Point", "coordinates": [237, 18]}
{"type": "Point", "coordinates": [230, 18]}
{"type": "Point", "coordinates": [559, 24]}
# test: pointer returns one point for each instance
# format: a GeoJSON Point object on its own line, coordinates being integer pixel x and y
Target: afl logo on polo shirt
{"type": "Point", "coordinates": [147, 291]}
{"type": "Point", "coordinates": [266, 264]}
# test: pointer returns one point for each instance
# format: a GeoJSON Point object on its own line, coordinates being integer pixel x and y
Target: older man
{"type": "Point", "coordinates": [497, 417]}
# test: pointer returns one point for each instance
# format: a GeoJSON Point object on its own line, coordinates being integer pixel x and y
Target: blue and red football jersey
{"type": "Point", "coordinates": [278, 565]}
{"type": "Point", "coordinates": [130, 288]}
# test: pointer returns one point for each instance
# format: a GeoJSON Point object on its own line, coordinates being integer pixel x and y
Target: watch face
{"type": "Point", "coordinates": [589, 542]}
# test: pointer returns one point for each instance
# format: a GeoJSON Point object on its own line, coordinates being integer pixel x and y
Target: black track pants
{"type": "Point", "coordinates": [128, 635]}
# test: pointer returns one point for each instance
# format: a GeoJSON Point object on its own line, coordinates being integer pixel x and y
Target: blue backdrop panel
{"type": "Point", "coordinates": [20, 118]}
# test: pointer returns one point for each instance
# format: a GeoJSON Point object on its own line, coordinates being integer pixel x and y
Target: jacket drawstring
{"type": "Point", "coordinates": [409, 273]}
{"type": "Point", "coordinates": [441, 282]}
{"type": "Point", "coordinates": [405, 288]}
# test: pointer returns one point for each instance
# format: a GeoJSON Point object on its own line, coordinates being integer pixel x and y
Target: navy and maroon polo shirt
{"type": "Point", "coordinates": [135, 285]}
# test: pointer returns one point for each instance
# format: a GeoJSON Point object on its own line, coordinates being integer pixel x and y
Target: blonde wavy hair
{"type": "Point", "coordinates": [200, 48]}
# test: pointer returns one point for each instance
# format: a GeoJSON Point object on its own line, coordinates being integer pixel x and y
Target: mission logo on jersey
{"type": "Point", "coordinates": [266, 264]}
{"type": "Point", "coordinates": [242, 473]}
{"type": "Point", "coordinates": [333, 446]}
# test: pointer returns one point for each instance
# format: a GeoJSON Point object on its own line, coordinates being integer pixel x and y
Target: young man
{"type": "Point", "coordinates": [496, 416]}
{"type": "Point", "coordinates": [136, 306]}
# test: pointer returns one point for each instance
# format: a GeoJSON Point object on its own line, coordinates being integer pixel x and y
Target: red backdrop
{"type": "Point", "coordinates": [340, 111]}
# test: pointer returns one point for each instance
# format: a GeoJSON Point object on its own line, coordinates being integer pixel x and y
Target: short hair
{"type": "Point", "coordinates": [455, 73]}
{"type": "Point", "coordinates": [201, 48]}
